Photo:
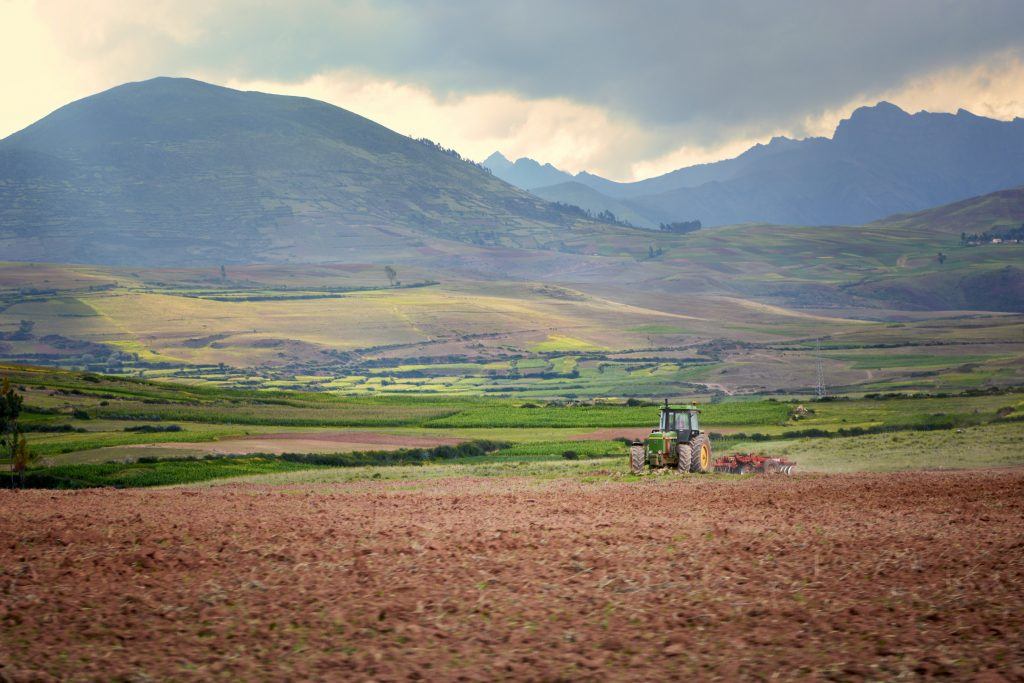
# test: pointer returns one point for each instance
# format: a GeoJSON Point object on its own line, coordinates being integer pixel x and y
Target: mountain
{"type": "Point", "coordinates": [173, 171]}
{"type": "Point", "coordinates": [525, 173]}
{"type": "Point", "coordinates": [880, 161]}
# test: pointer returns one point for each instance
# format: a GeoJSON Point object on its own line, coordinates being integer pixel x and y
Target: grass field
{"type": "Point", "coordinates": [987, 446]}
{"type": "Point", "coordinates": [95, 429]}
{"type": "Point", "coordinates": [992, 445]}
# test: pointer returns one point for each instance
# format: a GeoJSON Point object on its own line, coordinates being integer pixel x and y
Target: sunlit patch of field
{"type": "Point", "coordinates": [51, 308]}
{"type": "Point", "coordinates": [143, 352]}
{"type": "Point", "coordinates": [559, 342]}
{"type": "Point", "coordinates": [170, 324]}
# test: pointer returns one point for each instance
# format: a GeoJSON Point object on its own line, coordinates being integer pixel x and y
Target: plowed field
{"type": "Point", "coordinates": [844, 576]}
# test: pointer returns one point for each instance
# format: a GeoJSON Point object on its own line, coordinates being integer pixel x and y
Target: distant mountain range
{"type": "Point", "coordinates": [880, 161]}
{"type": "Point", "coordinates": [177, 171]}
{"type": "Point", "coordinates": [525, 173]}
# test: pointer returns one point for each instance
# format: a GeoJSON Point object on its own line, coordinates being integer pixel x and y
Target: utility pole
{"type": "Point", "coordinates": [819, 390]}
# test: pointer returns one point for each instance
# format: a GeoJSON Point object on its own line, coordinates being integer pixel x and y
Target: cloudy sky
{"type": "Point", "coordinates": [623, 89]}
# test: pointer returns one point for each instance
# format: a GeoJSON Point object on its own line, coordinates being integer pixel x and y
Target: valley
{"type": "Point", "coordinates": [298, 383]}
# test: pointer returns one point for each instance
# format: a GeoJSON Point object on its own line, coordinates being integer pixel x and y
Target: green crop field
{"type": "Point", "coordinates": [156, 474]}
{"type": "Point", "coordinates": [98, 430]}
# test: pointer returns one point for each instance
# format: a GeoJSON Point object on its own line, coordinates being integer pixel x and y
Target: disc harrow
{"type": "Point", "coordinates": [754, 463]}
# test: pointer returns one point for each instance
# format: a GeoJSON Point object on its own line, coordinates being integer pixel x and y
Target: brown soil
{"type": "Point", "coordinates": [609, 433]}
{"type": "Point", "coordinates": [301, 442]}
{"type": "Point", "coordinates": [348, 436]}
{"type": "Point", "coordinates": [841, 577]}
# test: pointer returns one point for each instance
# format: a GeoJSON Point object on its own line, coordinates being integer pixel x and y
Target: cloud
{"type": "Point", "coordinates": [623, 89]}
{"type": "Point", "coordinates": [36, 80]}
{"type": "Point", "coordinates": [577, 136]}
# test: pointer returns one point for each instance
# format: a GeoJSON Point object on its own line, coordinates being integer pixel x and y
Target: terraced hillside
{"type": "Point", "coordinates": [343, 328]}
{"type": "Point", "coordinates": [736, 309]}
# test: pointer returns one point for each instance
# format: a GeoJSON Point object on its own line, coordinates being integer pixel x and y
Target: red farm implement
{"type": "Point", "coordinates": [753, 463]}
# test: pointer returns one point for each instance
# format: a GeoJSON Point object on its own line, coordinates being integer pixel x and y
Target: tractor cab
{"type": "Point", "coordinates": [683, 420]}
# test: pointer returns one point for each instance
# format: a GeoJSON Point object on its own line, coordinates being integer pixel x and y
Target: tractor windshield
{"type": "Point", "coordinates": [677, 421]}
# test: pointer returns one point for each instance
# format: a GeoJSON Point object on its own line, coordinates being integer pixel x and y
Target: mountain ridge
{"type": "Point", "coordinates": [880, 160]}
{"type": "Point", "coordinates": [176, 170]}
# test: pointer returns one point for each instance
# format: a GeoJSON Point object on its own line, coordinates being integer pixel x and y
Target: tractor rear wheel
{"type": "Point", "coordinates": [685, 454]}
{"type": "Point", "coordinates": [637, 459]}
{"type": "Point", "coordinates": [701, 461]}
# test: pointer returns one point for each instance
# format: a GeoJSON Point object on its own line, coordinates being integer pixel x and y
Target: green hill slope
{"type": "Point", "coordinates": [179, 171]}
{"type": "Point", "coordinates": [1004, 209]}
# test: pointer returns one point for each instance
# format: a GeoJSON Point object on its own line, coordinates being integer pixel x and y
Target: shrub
{"type": "Point", "coordinates": [52, 428]}
{"type": "Point", "coordinates": [570, 455]}
{"type": "Point", "coordinates": [150, 429]}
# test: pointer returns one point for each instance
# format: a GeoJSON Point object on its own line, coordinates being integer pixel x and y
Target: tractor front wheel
{"type": "Point", "coordinates": [685, 454]}
{"type": "Point", "coordinates": [701, 461]}
{"type": "Point", "coordinates": [637, 459]}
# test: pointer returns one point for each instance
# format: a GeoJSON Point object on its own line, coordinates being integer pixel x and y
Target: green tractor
{"type": "Point", "coordinates": [677, 442]}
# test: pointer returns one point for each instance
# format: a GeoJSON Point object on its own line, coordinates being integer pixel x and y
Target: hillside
{"type": "Point", "coordinates": [588, 198]}
{"type": "Point", "coordinates": [175, 170]}
{"type": "Point", "coordinates": [879, 162]}
{"type": "Point", "coordinates": [1003, 209]}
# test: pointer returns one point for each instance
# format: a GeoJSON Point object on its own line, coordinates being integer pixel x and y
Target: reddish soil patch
{"type": "Point", "coordinates": [301, 442]}
{"type": "Point", "coordinates": [840, 577]}
{"type": "Point", "coordinates": [349, 436]}
{"type": "Point", "coordinates": [609, 433]}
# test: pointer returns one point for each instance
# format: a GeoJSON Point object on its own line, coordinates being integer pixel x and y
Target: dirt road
{"type": "Point", "coordinates": [847, 576]}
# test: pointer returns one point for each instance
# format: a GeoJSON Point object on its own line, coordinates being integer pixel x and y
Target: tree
{"type": "Point", "coordinates": [391, 273]}
{"type": "Point", "coordinates": [21, 458]}
{"type": "Point", "coordinates": [680, 227]}
{"type": "Point", "coordinates": [12, 443]}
